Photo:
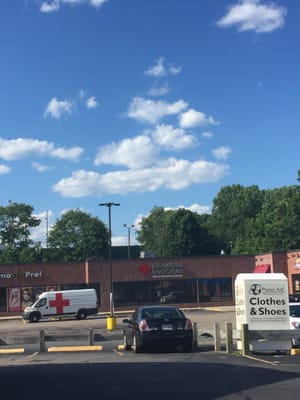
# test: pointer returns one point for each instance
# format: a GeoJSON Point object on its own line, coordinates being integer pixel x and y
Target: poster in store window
{"type": "Point", "coordinates": [27, 297]}
{"type": "Point", "coordinates": [14, 299]}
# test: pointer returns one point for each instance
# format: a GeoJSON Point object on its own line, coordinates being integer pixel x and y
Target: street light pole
{"type": "Point", "coordinates": [128, 230]}
{"type": "Point", "coordinates": [111, 297]}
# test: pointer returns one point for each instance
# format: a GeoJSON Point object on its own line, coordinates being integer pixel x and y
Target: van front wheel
{"type": "Point", "coordinates": [34, 317]}
{"type": "Point", "coordinates": [81, 314]}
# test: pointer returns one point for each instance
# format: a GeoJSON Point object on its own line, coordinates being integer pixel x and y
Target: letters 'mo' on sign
{"type": "Point", "coordinates": [168, 270]}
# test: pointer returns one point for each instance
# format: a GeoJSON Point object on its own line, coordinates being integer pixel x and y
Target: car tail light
{"type": "Point", "coordinates": [188, 324]}
{"type": "Point", "coordinates": [143, 325]}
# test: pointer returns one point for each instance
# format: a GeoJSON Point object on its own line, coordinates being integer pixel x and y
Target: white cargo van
{"type": "Point", "coordinates": [78, 303]}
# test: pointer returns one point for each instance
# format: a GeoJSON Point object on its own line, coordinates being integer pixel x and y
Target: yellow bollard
{"type": "Point", "coordinates": [111, 323]}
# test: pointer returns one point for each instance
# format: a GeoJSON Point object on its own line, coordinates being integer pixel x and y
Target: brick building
{"type": "Point", "coordinates": [187, 281]}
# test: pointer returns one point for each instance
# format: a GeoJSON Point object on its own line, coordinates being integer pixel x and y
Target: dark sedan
{"type": "Point", "coordinates": [157, 326]}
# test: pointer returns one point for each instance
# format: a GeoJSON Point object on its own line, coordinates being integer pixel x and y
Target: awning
{"type": "Point", "coordinates": [262, 268]}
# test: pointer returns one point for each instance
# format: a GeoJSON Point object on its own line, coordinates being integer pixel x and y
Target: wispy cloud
{"type": "Point", "coordinates": [222, 153]}
{"type": "Point", "coordinates": [55, 5]}
{"type": "Point", "coordinates": [159, 69]}
{"type": "Point", "coordinates": [252, 15]}
{"type": "Point", "coordinates": [57, 108]}
{"type": "Point", "coordinates": [4, 169]}
{"type": "Point", "coordinates": [207, 135]}
{"type": "Point", "coordinates": [160, 90]}
{"type": "Point", "coordinates": [40, 167]}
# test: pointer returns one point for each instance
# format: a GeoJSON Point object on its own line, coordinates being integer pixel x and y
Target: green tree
{"type": "Point", "coordinates": [233, 207]}
{"type": "Point", "coordinates": [171, 233]}
{"type": "Point", "coordinates": [15, 222]}
{"type": "Point", "coordinates": [276, 226]}
{"type": "Point", "coordinates": [78, 236]}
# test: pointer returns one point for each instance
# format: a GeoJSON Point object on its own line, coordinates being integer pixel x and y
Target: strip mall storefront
{"type": "Point", "coordinates": [186, 281]}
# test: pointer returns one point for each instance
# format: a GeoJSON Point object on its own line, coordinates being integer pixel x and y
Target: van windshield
{"type": "Point", "coordinates": [40, 303]}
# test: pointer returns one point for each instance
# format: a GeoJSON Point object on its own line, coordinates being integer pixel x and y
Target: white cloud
{"type": "Point", "coordinates": [193, 118]}
{"type": "Point", "coordinates": [222, 153]}
{"type": "Point", "coordinates": [133, 153]}
{"type": "Point", "coordinates": [171, 138]}
{"type": "Point", "coordinates": [4, 169]}
{"type": "Point", "coordinates": [91, 102]}
{"type": "Point", "coordinates": [196, 208]}
{"type": "Point", "coordinates": [55, 5]}
{"type": "Point", "coordinates": [172, 174]}
{"type": "Point", "coordinates": [159, 69]}
{"type": "Point", "coordinates": [152, 111]}
{"type": "Point", "coordinates": [16, 149]}
{"type": "Point", "coordinates": [57, 108]}
{"type": "Point", "coordinates": [252, 15]}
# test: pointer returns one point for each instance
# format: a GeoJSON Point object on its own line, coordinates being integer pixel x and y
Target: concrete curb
{"type": "Point", "coordinates": [74, 349]}
{"type": "Point", "coordinates": [12, 351]}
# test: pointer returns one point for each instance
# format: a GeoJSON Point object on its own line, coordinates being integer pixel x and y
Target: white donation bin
{"type": "Point", "coordinates": [262, 302]}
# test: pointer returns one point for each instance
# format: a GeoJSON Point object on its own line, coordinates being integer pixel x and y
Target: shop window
{"type": "Point", "coordinates": [152, 292]}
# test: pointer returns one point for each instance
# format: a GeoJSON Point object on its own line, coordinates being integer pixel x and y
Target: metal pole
{"type": "Point", "coordinates": [111, 298]}
{"type": "Point", "coordinates": [111, 295]}
{"type": "Point", "coordinates": [128, 235]}
{"type": "Point", "coordinates": [129, 242]}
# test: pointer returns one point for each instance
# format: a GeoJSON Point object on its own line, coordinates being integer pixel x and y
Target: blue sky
{"type": "Point", "coordinates": [145, 103]}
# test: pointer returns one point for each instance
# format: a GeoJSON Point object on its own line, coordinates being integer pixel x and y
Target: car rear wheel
{"type": "Point", "coordinates": [136, 344]}
{"type": "Point", "coordinates": [187, 347]}
{"type": "Point", "coordinates": [126, 345]}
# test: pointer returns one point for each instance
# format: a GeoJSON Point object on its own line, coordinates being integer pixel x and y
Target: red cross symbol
{"type": "Point", "coordinates": [59, 303]}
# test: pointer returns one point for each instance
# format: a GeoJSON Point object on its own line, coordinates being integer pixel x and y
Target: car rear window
{"type": "Point", "coordinates": [161, 313]}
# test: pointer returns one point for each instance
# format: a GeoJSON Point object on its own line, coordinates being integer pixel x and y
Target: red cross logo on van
{"type": "Point", "coordinates": [59, 303]}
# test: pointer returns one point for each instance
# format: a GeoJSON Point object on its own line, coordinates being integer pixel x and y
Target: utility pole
{"type": "Point", "coordinates": [111, 323]}
{"type": "Point", "coordinates": [128, 235]}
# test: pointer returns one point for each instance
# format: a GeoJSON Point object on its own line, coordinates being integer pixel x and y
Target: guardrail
{"type": "Point", "coordinates": [245, 337]}
{"type": "Point", "coordinates": [265, 335]}
{"type": "Point", "coordinates": [218, 338]}
{"type": "Point", "coordinates": [43, 338]}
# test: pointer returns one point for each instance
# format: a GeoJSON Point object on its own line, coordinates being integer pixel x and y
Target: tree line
{"type": "Point", "coordinates": [243, 220]}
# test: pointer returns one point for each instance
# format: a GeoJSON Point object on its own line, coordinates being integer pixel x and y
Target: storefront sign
{"type": "Point", "coordinates": [168, 270]}
{"type": "Point", "coordinates": [23, 274]}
